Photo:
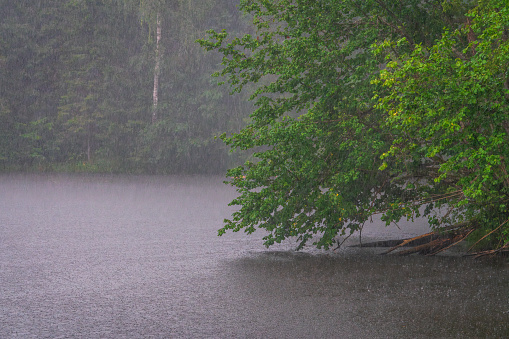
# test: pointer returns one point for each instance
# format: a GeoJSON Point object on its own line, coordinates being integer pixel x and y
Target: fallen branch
{"type": "Point", "coordinates": [430, 243]}
{"type": "Point", "coordinates": [426, 248]}
{"type": "Point", "coordinates": [411, 240]}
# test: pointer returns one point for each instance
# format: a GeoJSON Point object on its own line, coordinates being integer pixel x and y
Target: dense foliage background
{"type": "Point", "coordinates": [77, 78]}
{"type": "Point", "coordinates": [372, 107]}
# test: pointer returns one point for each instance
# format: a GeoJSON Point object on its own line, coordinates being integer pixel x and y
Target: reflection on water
{"type": "Point", "coordinates": [138, 256]}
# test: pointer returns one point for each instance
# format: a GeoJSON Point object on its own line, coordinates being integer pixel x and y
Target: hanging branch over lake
{"type": "Point", "coordinates": [362, 107]}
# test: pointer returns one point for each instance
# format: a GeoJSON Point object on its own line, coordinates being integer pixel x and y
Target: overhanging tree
{"type": "Point", "coordinates": [319, 131]}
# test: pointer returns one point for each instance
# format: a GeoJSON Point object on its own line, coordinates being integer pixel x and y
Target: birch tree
{"type": "Point", "coordinates": [157, 68]}
{"type": "Point", "coordinates": [153, 13]}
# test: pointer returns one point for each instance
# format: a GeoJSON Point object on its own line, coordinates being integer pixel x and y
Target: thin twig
{"type": "Point", "coordinates": [340, 244]}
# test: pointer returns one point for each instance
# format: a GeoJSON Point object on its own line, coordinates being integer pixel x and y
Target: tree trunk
{"type": "Point", "coordinates": [88, 146]}
{"type": "Point", "coordinates": [157, 70]}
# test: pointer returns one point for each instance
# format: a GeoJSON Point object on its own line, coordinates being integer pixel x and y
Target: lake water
{"type": "Point", "coordinates": [91, 256]}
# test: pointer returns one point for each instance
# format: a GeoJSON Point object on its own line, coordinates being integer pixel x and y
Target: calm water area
{"type": "Point", "coordinates": [106, 256]}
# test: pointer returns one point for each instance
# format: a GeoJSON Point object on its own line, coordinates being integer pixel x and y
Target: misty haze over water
{"type": "Point", "coordinates": [100, 256]}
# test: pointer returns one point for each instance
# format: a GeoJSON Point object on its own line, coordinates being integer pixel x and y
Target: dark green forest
{"type": "Point", "coordinates": [77, 86]}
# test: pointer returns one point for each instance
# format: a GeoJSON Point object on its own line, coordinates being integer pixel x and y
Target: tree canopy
{"type": "Point", "coordinates": [370, 107]}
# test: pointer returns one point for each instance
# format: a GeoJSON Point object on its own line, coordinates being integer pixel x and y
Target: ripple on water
{"type": "Point", "coordinates": [138, 256]}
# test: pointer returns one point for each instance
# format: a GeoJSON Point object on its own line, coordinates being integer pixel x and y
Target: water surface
{"type": "Point", "coordinates": [88, 256]}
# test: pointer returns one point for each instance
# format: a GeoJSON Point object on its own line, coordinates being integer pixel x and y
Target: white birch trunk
{"type": "Point", "coordinates": [88, 146]}
{"type": "Point", "coordinates": [157, 70]}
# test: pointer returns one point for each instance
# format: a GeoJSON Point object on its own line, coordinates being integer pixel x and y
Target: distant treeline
{"type": "Point", "coordinates": [78, 79]}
